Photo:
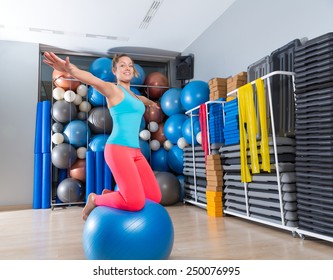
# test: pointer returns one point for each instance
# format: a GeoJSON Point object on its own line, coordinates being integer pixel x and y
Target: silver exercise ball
{"type": "Point", "coordinates": [63, 155]}
{"type": "Point", "coordinates": [170, 187]}
{"type": "Point", "coordinates": [100, 120]}
{"type": "Point", "coordinates": [70, 190]}
{"type": "Point", "coordinates": [63, 111]}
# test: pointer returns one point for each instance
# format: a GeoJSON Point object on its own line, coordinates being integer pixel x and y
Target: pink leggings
{"type": "Point", "coordinates": [134, 177]}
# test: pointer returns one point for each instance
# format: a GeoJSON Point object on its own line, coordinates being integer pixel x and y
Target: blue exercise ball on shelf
{"type": "Point", "coordinates": [95, 98]}
{"type": "Point", "coordinates": [76, 133]}
{"type": "Point", "coordinates": [102, 68]}
{"type": "Point", "coordinates": [135, 90]}
{"type": "Point", "coordinates": [144, 147]}
{"type": "Point", "coordinates": [97, 142]}
{"type": "Point", "coordinates": [158, 160]}
{"type": "Point", "coordinates": [170, 102]}
{"type": "Point", "coordinates": [175, 158]}
{"type": "Point", "coordinates": [181, 179]}
{"type": "Point", "coordinates": [142, 124]}
{"type": "Point", "coordinates": [139, 80]}
{"type": "Point", "coordinates": [113, 234]}
{"type": "Point", "coordinates": [173, 127]}
{"type": "Point", "coordinates": [190, 129]}
{"type": "Point", "coordinates": [194, 94]}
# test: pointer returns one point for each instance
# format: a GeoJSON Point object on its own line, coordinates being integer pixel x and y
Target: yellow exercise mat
{"type": "Point", "coordinates": [248, 130]}
{"type": "Point", "coordinates": [264, 146]}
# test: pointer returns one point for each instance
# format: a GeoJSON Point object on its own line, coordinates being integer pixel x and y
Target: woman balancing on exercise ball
{"type": "Point", "coordinates": [134, 176]}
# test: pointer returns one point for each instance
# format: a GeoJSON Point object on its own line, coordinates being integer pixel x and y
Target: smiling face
{"type": "Point", "coordinates": [123, 69]}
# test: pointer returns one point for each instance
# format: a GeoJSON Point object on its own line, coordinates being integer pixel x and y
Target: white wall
{"type": "Point", "coordinates": [250, 30]}
{"type": "Point", "coordinates": [19, 64]}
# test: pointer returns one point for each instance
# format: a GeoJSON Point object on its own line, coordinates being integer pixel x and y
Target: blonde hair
{"type": "Point", "coordinates": [116, 58]}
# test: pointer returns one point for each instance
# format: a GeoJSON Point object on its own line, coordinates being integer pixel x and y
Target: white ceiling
{"type": "Point", "coordinates": [101, 25]}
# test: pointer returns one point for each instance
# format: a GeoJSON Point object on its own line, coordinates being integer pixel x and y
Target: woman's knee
{"type": "Point", "coordinates": [136, 204]}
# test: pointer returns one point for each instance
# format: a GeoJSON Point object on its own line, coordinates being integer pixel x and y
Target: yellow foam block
{"type": "Point", "coordinates": [213, 194]}
{"type": "Point", "coordinates": [217, 173]}
{"type": "Point", "coordinates": [214, 167]}
{"type": "Point", "coordinates": [214, 188]}
{"type": "Point", "coordinates": [215, 207]}
{"type": "Point", "coordinates": [214, 213]}
{"type": "Point", "coordinates": [214, 199]}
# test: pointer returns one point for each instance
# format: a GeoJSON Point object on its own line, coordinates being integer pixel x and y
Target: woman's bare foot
{"type": "Point", "coordinates": [105, 191]}
{"type": "Point", "coordinates": [90, 205]}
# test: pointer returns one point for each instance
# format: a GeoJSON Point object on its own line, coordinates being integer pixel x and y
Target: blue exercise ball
{"type": "Point", "coordinates": [181, 179]}
{"type": "Point", "coordinates": [95, 98]}
{"type": "Point", "coordinates": [190, 129]}
{"type": "Point", "coordinates": [97, 142]}
{"type": "Point", "coordinates": [144, 147]}
{"type": "Point", "coordinates": [102, 68]}
{"type": "Point", "coordinates": [158, 160]}
{"type": "Point", "coordinates": [173, 127]}
{"type": "Point", "coordinates": [76, 133]}
{"type": "Point", "coordinates": [170, 102]}
{"type": "Point", "coordinates": [135, 91]}
{"type": "Point", "coordinates": [139, 80]}
{"type": "Point", "coordinates": [194, 94]}
{"type": "Point", "coordinates": [113, 234]}
{"type": "Point", "coordinates": [175, 158]}
{"type": "Point", "coordinates": [142, 124]}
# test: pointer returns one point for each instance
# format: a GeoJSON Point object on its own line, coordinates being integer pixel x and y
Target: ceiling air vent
{"type": "Point", "coordinates": [150, 14]}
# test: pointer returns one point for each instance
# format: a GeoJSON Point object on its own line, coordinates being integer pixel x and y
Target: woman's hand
{"type": "Point", "coordinates": [57, 63]}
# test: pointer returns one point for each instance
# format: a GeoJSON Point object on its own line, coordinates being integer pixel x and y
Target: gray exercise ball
{"type": "Point", "coordinates": [70, 190]}
{"type": "Point", "coordinates": [57, 127]}
{"type": "Point", "coordinates": [63, 155]}
{"type": "Point", "coordinates": [170, 187]}
{"type": "Point", "coordinates": [100, 120]}
{"type": "Point", "coordinates": [82, 116]}
{"type": "Point", "coordinates": [63, 111]}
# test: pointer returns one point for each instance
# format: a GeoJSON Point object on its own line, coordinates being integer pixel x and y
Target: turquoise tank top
{"type": "Point", "coordinates": [126, 117]}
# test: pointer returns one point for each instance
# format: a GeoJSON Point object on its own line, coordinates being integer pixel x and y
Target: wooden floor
{"type": "Point", "coordinates": [57, 235]}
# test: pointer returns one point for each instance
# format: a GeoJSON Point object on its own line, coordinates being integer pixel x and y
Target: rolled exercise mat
{"type": "Point", "coordinates": [46, 127]}
{"type": "Point", "coordinates": [37, 197]}
{"type": "Point", "coordinates": [46, 181]}
{"type": "Point", "coordinates": [99, 174]}
{"type": "Point", "coordinates": [107, 177]}
{"type": "Point", "coordinates": [38, 129]}
{"type": "Point", "coordinates": [90, 173]}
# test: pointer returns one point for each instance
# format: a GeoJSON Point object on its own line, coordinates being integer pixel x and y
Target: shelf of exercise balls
{"type": "Point", "coordinates": [55, 202]}
{"type": "Point", "coordinates": [59, 175]}
{"type": "Point", "coordinates": [192, 113]}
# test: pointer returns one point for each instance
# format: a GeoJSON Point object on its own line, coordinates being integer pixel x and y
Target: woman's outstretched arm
{"type": "Point", "coordinates": [65, 66]}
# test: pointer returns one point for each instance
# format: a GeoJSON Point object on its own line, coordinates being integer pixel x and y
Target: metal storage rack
{"type": "Point", "coordinates": [248, 212]}
{"type": "Point", "coordinates": [56, 174]}
{"type": "Point", "coordinates": [195, 187]}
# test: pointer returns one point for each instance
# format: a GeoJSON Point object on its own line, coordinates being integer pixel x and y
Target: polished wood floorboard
{"type": "Point", "coordinates": [57, 235]}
